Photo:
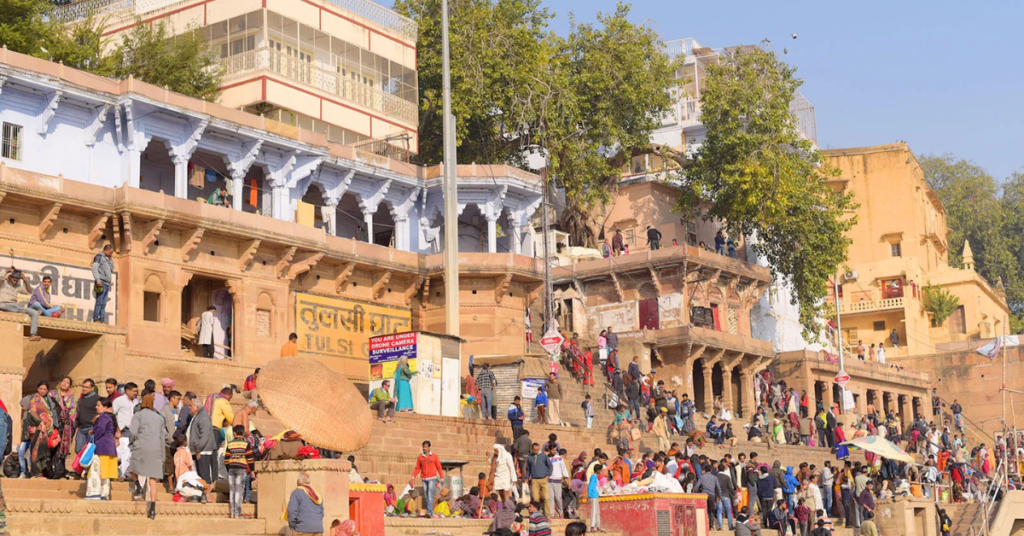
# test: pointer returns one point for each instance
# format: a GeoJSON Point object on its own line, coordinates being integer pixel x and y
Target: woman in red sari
{"type": "Point", "coordinates": [588, 361]}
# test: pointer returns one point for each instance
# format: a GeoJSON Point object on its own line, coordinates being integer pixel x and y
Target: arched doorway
{"type": "Point", "coordinates": [648, 306]}
{"type": "Point", "coordinates": [698, 384]}
{"type": "Point", "coordinates": [717, 381]}
{"type": "Point", "coordinates": [819, 394]}
{"type": "Point", "coordinates": [312, 213]}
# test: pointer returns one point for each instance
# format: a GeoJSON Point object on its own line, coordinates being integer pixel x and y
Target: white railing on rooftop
{"type": "Point", "coordinates": [119, 13]}
{"type": "Point", "coordinates": [680, 47]}
{"type": "Point", "coordinates": [803, 112]}
{"type": "Point", "coordinates": [328, 81]}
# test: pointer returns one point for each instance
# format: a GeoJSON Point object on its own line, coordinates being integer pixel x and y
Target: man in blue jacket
{"type": "Point", "coordinates": [515, 416]}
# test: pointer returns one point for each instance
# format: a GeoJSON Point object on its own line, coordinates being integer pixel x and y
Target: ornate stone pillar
{"type": "Point", "coordinates": [368, 222]}
{"type": "Point", "coordinates": [180, 176]}
{"type": "Point", "coordinates": [709, 388]}
{"type": "Point", "coordinates": [727, 394]}
{"type": "Point", "coordinates": [749, 402]}
{"type": "Point", "coordinates": [492, 234]}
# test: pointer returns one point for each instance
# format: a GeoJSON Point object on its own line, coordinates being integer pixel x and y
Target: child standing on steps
{"type": "Point", "coordinates": [594, 497]}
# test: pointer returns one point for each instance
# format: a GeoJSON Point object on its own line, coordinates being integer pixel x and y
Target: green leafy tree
{"type": "Point", "coordinates": [1013, 229]}
{"type": "Point", "coordinates": [993, 223]}
{"type": "Point", "coordinates": [22, 26]}
{"type": "Point", "coordinates": [184, 63]}
{"type": "Point", "coordinates": [939, 302]}
{"type": "Point", "coordinates": [757, 174]}
{"type": "Point", "coordinates": [586, 101]}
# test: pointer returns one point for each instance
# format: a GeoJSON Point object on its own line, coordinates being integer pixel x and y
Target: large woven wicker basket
{"type": "Point", "coordinates": [319, 403]}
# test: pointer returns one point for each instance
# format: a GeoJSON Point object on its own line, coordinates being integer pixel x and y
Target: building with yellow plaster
{"type": "Point", "coordinates": [899, 246]}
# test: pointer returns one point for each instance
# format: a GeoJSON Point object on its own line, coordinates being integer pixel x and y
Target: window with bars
{"type": "Point", "coordinates": [897, 251]}
{"type": "Point", "coordinates": [11, 143]}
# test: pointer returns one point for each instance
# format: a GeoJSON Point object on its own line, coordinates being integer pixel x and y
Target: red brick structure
{"type": "Point", "coordinates": [678, 514]}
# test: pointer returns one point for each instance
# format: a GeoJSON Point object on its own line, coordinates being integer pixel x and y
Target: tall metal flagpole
{"type": "Point", "coordinates": [451, 192]}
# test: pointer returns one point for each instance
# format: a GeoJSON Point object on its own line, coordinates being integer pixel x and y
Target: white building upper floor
{"type": "Point", "coordinates": [59, 121]}
{"type": "Point", "coordinates": [343, 68]}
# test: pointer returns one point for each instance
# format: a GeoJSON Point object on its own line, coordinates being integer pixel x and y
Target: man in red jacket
{"type": "Point", "coordinates": [428, 468]}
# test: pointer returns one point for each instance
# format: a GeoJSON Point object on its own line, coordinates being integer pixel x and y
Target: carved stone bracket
{"type": "Point", "coordinates": [501, 284]}
{"type": "Point", "coordinates": [249, 250]}
{"type": "Point", "coordinates": [191, 243]}
{"type": "Point", "coordinates": [381, 284]}
{"type": "Point", "coordinates": [618, 288]}
{"type": "Point", "coordinates": [117, 232]}
{"type": "Point", "coordinates": [709, 363]}
{"type": "Point", "coordinates": [150, 233]}
{"type": "Point", "coordinates": [48, 216]}
{"type": "Point", "coordinates": [656, 280]}
{"type": "Point", "coordinates": [414, 286]}
{"type": "Point", "coordinates": [96, 228]}
{"type": "Point", "coordinates": [534, 294]}
{"type": "Point", "coordinates": [305, 265]}
{"type": "Point", "coordinates": [342, 275]}
{"type": "Point", "coordinates": [126, 223]}
{"type": "Point", "coordinates": [286, 260]}
{"type": "Point", "coordinates": [426, 289]}
{"type": "Point", "coordinates": [733, 361]}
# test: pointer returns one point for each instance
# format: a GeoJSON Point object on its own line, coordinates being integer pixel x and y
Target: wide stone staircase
{"type": "Point", "coordinates": [454, 527]}
{"type": "Point", "coordinates": [390, 456]}
{"type": "Point", "coordinates": [46, 507]}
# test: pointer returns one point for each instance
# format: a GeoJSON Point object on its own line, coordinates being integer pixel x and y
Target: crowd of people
{"type": "Point", "coordinates": [145, 436]}
{"type": "Point", "coordinates": [158, 437]}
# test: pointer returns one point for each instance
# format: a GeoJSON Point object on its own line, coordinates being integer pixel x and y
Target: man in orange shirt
{"type": "Point", "coordinates": [428, 468]}
{"type": "Point", "coordinates": [291, 348]}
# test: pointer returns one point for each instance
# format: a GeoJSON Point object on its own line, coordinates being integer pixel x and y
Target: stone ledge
{"type": "Point", "coordinates": [65, 325]}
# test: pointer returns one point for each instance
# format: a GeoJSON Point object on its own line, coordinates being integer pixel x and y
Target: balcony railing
{"type": "Point", "coordinates": [868, 306]}
{"type": "Point", "coordinates": [117, 14]}
{"type": "Point", "coordinates": [328, 81]}
{"type": "Point", "coordinates": [393, 147]}
{"type": "Point", "coordinates": [687, 112]}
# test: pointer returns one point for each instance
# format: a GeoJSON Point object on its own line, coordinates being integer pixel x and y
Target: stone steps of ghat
{"type": "Point", "coordinates": [31, 516]}
{"type": "Point", "coordinates": [396, 526]}
{"type": "Point", "coordinates": [393, 447]}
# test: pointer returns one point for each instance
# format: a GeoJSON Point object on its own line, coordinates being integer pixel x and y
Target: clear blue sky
{"type": "Point", "coordinates": [944, 76]}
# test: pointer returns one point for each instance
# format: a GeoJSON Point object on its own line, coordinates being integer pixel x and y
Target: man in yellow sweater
{"type": "Point", "coordinates": [222, 415]}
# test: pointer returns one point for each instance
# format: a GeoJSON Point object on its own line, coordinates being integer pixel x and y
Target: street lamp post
{"type": "Point", "coordinates": [451, 192]}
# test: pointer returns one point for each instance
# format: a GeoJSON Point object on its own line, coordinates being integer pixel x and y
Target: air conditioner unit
{"type": "Point", "coordinates": [852, 275]}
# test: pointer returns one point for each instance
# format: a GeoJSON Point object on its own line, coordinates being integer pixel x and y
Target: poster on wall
{"type": "Point", "coordinates": [339, 328]}
{"type": "Point", "coordinates": [848, 402]}
{"type": "Point", "coordinates": [530, 387]}
{"type": "Point", "coordinates": [72, 288]}
{"type": "Point", "coordinates": [385, 352]}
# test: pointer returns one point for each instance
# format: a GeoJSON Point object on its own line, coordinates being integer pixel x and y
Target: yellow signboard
{"type": "Point", "coordinates": [336, 327]}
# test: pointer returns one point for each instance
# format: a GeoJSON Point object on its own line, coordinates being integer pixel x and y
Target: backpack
{"type": "Point", "coordinates": [11, 466]}
{"type": "Point", "coordinates": [56, 469]}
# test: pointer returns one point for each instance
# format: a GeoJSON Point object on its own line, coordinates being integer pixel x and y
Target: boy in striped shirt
{"type": "Point", "coordinates": [239, 461]}
{"type": "Point", "coordinates": [538, 523]}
